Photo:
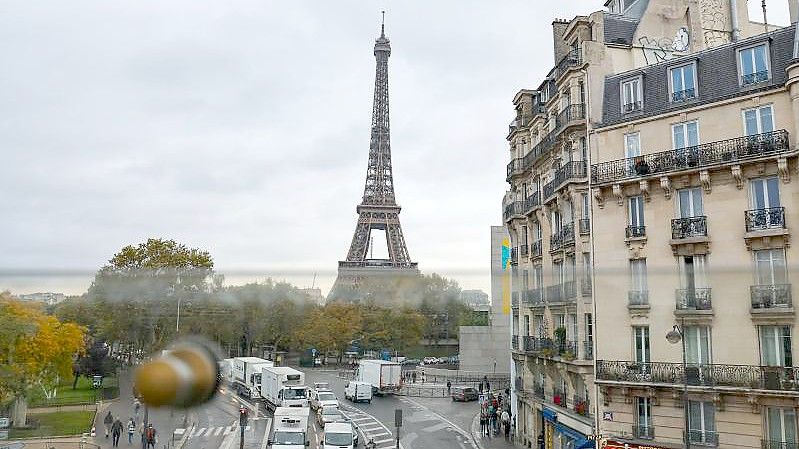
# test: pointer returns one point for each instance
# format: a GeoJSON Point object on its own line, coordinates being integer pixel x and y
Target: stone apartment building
{"type": "Point", "coordinates": [547, 210]}
{"type": "Point", "coordinates": [696, 192]}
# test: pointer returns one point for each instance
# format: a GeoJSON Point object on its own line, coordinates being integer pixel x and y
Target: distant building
{"type": "Point", "coordinates": [475, 297]}
{"type": "Point", "coordinates": [49, 298]}
{"type": "Point", "coordinates": [314, 294]}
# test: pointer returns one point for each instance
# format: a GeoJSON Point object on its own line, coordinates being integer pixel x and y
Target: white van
{"type": "Point", "coordinates": [339, 435]}
{"type": "Point", "coordinates": [358, 391]}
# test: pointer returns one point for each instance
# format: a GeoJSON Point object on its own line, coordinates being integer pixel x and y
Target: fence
{"type": "Point", "coordinates": [55, 444]}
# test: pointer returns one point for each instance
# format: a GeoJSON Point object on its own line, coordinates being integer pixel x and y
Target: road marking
{"type": "Point", "coordinates": [384, 441]}
{"type": "Point", "coordinates": [266, 433]}
{"type": "Point", "coordinates": [200, 432]}
{"type": "Point", "coordinates": [436, 428]}
{"type": "Point", "coordinates": [218, 431]}
{"type": "Point", "coordinates": [372, 427]}
{"type": "Point", "coordinates": [465, 434]}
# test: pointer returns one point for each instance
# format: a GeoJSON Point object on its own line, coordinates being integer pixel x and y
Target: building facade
{"type": "Point", "coordinates": [547, 210]}
{"type": "Point", "coordinates": [695, 194]}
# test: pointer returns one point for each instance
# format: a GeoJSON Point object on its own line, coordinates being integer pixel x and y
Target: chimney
{"type": "Point", "coordinates": [558, 30]}
{"type": "Point", "coordinates": [793, 7]}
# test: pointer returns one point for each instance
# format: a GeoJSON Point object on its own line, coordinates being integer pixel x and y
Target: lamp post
{"type": "Point", "coordinates": [674, 336]}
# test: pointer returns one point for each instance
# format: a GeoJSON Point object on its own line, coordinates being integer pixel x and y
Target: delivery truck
{"type": "Point", "coordinates": [384, 376]}
{"type": "Point", "coordinates": [247, 376]}
{"type": "Point", "coordinates": [282, 386]}
{"type": "Point", "coordinates": [289, 428]}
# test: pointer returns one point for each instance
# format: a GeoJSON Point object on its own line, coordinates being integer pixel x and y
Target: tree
{"type": "Point", "coordinates": [331, 328]}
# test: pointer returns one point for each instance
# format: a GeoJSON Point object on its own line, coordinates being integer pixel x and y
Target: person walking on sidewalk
{"type": "Point", "coordinates": [131, 430]}
{"type": "Point", "coordinates": [107, 422]}
{"type": "Point", "coordinates": [150, 436]}
{"type": "Point", "coordinates": [449, 388]}
{"type": "Point", "coordinates": [116, 432]}
{"type": "Point", "coordinates": [482, 422]}
{"type": "Point", "coordinates": [506, 423]}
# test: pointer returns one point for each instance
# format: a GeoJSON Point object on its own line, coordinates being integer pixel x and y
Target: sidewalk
{"type": "Point", "coordinates": [492, 442]}
{"type": "Point", "coordinates": [164, 420]}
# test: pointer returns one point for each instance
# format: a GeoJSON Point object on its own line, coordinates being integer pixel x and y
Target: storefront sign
{"type": "Point", "coordinates": [607, 416]}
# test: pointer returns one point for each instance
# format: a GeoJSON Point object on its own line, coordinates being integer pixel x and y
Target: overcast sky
{"type": "Point", "coordinates": [243, 128]}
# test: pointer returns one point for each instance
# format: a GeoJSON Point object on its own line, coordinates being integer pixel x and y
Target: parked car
{"type": "Point", "coordinates": [464, 394]}
{"type": "Point", "coordinates": [329, 414]}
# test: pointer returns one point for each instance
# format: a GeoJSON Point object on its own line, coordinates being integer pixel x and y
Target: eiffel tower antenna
{"type": "Point", "coordinates": [378, 209]}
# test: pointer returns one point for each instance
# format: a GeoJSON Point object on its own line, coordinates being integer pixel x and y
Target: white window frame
{"type": "Point", "coordinates": [705, 424]}
{"type": "Point", "coordinates": [739, 63]}
{"type": "Point", "coordinates": [784, 415]}
{"type": "Point", "coordinates": [671, 81]}
{"type": "Point", "coordinates": [646, 403]}
{"type": "Point", "coordinates": [627, 137]}
{"type": "Point", "coordinates": [638, 275]}
{"type": "Point", "coordinates": [639, 93]}
{"type": "Point", "coordinates": [693, 192]}
{"type": "Point", "coordinates": [775, 332]}
{"type": "Point", "coordinates": [646, 349]}
{"type": "Point", "coordinates": [635, 203]}
{"type": "Point", "coordinates": [770, 261]}
{"type": "Point", "coordinates": [685, 135]}
{"type": "Point", "coordinates": [759, 119]}
{"type": "Point", "coordinates": [766, 197]}
{"type": "Point", "coordinates": [695, 335]}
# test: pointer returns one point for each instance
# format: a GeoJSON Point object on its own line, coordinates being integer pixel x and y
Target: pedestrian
{"type": "Point", "coordinates": [414, 377]}
{"type": "Point", "coordinates": [151, 436]}
{"type": "Point", "coordinates": [116, 432]}
{"type": "Point", "coordinates": [488, 386]}
{"type": "Point", "coordinates": [131, 430]}
{"type": "Point", "coordinates": [494, 421]}
{"type": "Point", "coordinates": [449, 388]}
{"type": "Point", "coordinates": [136, 406]}
{"type": "Point", "coordinates": [107, 422]}
{"type": "Point", "coordinates": [506, 423]}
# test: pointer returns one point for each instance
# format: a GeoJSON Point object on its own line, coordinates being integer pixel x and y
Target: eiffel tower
{"type": "Point", "coordinates": [378, 209]}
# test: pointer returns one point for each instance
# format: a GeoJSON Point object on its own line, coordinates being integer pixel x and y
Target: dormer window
{"type": "Point", "coordinates": [753, 64]}
{"type": "Point", "coordinates": [682, 82]}
{"type": "Point", "coordinates": [632, 95]}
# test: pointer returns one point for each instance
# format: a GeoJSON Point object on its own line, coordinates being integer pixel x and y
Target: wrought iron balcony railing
{"type": "Point", "coordinates": [760, 219]}
{"type": "Point", "coordinates": [571, 171]}
{"type": "Point", "coordinates": [683, 228]}
{"type": "Point", "coordinates": [638, 297]}
{"type": "Point", "coordinates": [566, 348]}
{"type": "Point", "coordinates": [632, 106]}
{"type": "Point", "coordinates": [515, 167]}
{"type": "Point", "coordinates": [536, 248]}
{"type": "Point", "coordinates": [581, 405]}
{"type": "Point", "coordinates": [532, 202]}
{"type": "Point", "coordinates": [771, 296]}
{"type": "Point", "coordinates": [683, 95]}
{"type": "Point", "coordinates": [693, 299]}
{"type": "Point", "coordinates": [514, 342]}
{"type": "Point", "coordinates": [588, 350]}
{"type": "Point", "coordinates": [777, 378]}
{"type": "Point", "coordinates": [538, 391]}
{"type": "Point", "coordinates": [533, 297]}
{"type": "Point", "coordinates": [562, 237]}
{"type": "Point", "coordinates": [537, 344]}
{"type": "Point", "coordinates": [635, 231]}
{"type": "Point", "coordinates": [704, 155]}
{"type": "Point", "coordinates": [754, 78]}
{"type": "Point", "coordinates": [570, 113]}
{"type": "Point", "coordinates": [776, 444]}
{"type": "Point", "coordinates": [524, 250]}
{"type": "Point", "coordinates": [643, 431]}
{"type": "Point", "coordinates": [703, 437]}
{"type": "Point", "coordinates": [514, 256]}
{"type": "Point", "coordinates": [585, 225]}
{"type": "Point", "coordinates": [512, 209]}
{"type": "Point", "coordinates": [540, 149]}
{"type": "Point", "coordinates": [572, 59]}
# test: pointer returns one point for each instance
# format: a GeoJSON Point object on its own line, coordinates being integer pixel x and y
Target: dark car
{"type": "Point", "coordinates": [464, 394]}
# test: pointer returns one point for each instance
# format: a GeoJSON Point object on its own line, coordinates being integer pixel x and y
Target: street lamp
{"type": "Point", "coordinates": [674, 336]}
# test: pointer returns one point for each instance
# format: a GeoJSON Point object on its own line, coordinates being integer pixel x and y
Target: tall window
{"type": "Point", "coordinates": [693, 281]}
{"type": "Point", "coordinates": [526, 279]}
{"type": "Point", "coordinates": [685, 135]}
{"type": "Point", "coordinates": [538, 276]}
{"type": "Point", "coordinates": [632, 145]}
{"type": "Point", "coordinates": [571, 330]}
{"type": "Point", "coordinates": [632, 95]}
{"type": "Point", "coordinates": [556, 222]}
{"type": "Point", "coordinates": [527, 325]}
{"type": "Point", "coordinates": [582, 93]}
{"type": "Point", "coordinates": [754, 64]}
{"type": "Point", "coordinates": [536, 230]}
{"type": "Point", "coordinates": [524, 236]}
{"type": "Point", "coordinates": [638, 281]}
{"type": "Point", "coordinates": [690, 202]}
{"type": "Point", "coordinates": [635, 215]}
{"type": "Point", "coordinates": [775, 346]}
{"type": "Point", "coordinates": [781, 424]}
{"type": "Point", "coordinates": [560, 320]}
{"type": "Point", "coordinates": [702, 422]}
{"type": "Point", "coordinates": [589, 328]}
{"type": "Point", "coordinates": [758, 120]}
{"type": "Point", "coordinates": [586, 207]}
{"type": "Point", "coordinates": [583, 149]}
{"type": "Point", "coordinates": [765, 193]}
{"type": "Point", "coordinates": [557, 272]}
{"type": "Point", "coordinates": [770, 267]}
{"type": "Point", "coordinates": [697, 345]}
{"type": "Point", "coordinates": [643, 418]}
{"type": "Point", "coordinates": [540, 328]}
{"type": "Point", "coordinates": [641, 343]}
{"type": "Point", "coordinates": [569, 268]}
{"type": "Point", "coordinates": [683, 82]}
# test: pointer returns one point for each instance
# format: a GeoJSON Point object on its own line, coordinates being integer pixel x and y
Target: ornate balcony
{"type": "Point", "coordinates": [566, 348]}
{"type": "Point", "coordinates": [561, 293]}
{"type": "Point", "coordinates": [772, 444]}
{"type": "Point", "coordinates": [638, 297]}
{"type": "Point", "coordinates": [514, 256]}
{"type": "Point", "coordinates": [515, 167]}
{"type": "Point", "coordinates": [762, 219]}
{"type": "Point", "coordinates": [569, 172]}
{"type": "Point", "coordinates": [513, 209]}
{"type": "Point", "coordinates": [777, 296]}
{"type": "Point", "coordinates": [534, 345]}
{"type": "Point", "coordinates": [754, 78]}
{"type": "Point", "coordinates": [683, 228]}
{"type": "Point", "coordinates": [524, 250]}
{"type": "Point", "coordinates": [532, 202]}
{"type": "Point", "coordinates": [728, 151]}
{"type": "Point", "coordinates": [539, 149]}
{"type": "Point", "coordinates": [643, 431]}
{"type": "Point", "coordinates": [634, 232]}
{"type": "Point", "coordinates": [572, 59]}
{"type": "Point", "coordinates": [514, 342]}
{"type": "Point", "coordinates": [533, 297]}
{"type": "Point", "coordinates": [703, 437]}
{"type": "Point", "coordinates": [571, 113]}
{"type": "Point", "coordinates": [536, 248]}
{"type": "Point", "coordinates": [562, 238]}
{"type": "Point", "coordinates": [777, 378]}
{"type": "Point", "coordinates": [683, 95]}
{"type": "Point", "coordinates": [581, 405]}
{"type": "Point", "coordinates": [585, 226]}
{"type": "Point", "coordinates": [694, 299]}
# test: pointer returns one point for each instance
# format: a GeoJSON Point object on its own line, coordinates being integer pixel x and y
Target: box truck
{"type": "Point", "coordinates": [247, 375]}
{"type": "Point", "coordinates": [385, 377]}
{"type": "Point", "coordinates": [282, 386]}
{"type": "Point", "coordinates": [289, 428]}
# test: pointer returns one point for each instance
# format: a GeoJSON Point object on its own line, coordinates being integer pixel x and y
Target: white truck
{"type": "Point", "coordinates": [282, 386]}
{"type": "Point", "coordinates": [226, 370]}
{"type": "Point", "coordinates": [358, 391]}
{"type": "Point", "coordinates": [385, 377]}
{"type": "Point", "coordinates": [290, 428]}
{"type": "Point", "coordinates": [247, 375]}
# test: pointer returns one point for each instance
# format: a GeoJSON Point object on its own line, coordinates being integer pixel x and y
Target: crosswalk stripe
{"type": "Point", "coordinates": [219, 431]}
{"type": "Point", "coordinates": [362, 419]}
{"type": "Point", "coordinates": [379, 434]}
{"type": "Point", "coordinates": [371, 427]}
{"type": "Point", "coordinates": [200, 432]}
{"type": "Point", "coordinates": [384, 441]}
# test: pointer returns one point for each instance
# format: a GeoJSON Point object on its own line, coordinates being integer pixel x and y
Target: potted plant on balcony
{"type": "Point", "coordinates": [569, 355]}
{"type": "Point", "coordinates": [557, 399]}
{"type": "Point", "coordinates": [580, 408]}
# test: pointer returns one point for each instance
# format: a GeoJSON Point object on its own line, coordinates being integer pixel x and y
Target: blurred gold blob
{"type": "Point", "coordinates": [185, 375]}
